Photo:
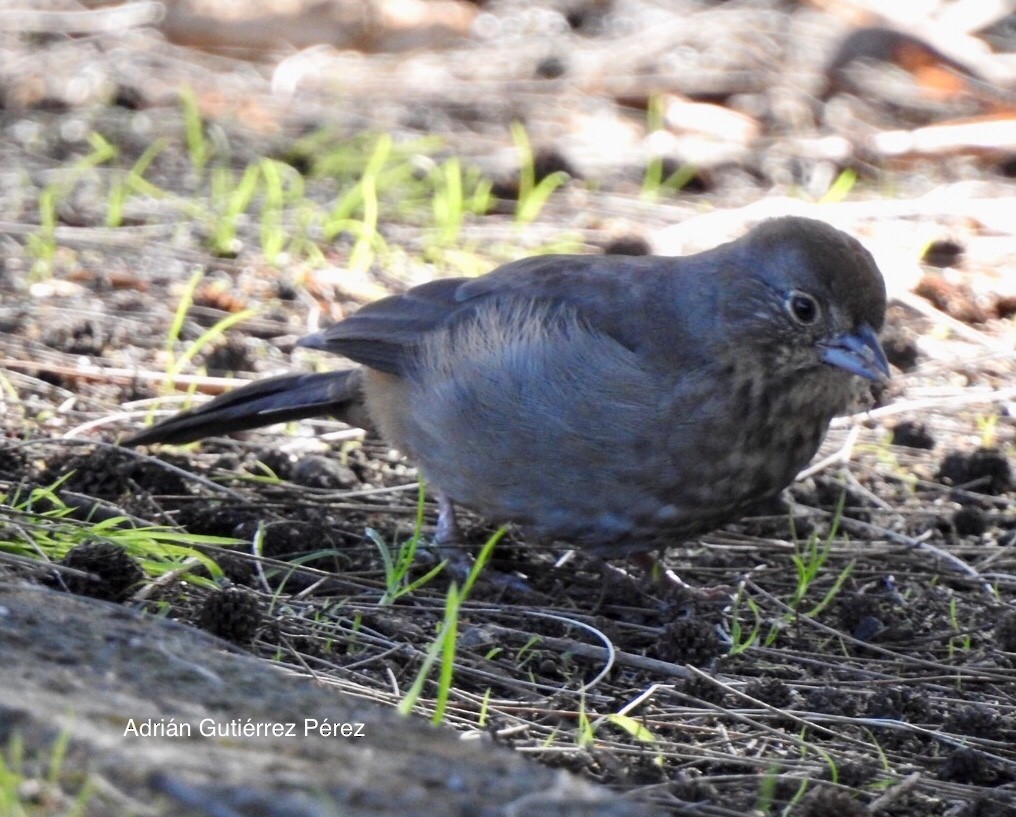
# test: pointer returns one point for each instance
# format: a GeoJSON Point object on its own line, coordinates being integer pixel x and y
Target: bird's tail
{"type": "Point", "coordinates": [264, 402]}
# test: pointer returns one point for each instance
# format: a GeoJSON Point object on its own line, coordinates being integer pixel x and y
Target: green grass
{"type": "Point", "coordinates": [457, 194]}
{"type": "Point", "coordinates": [177, 362]}
{"type": "Point", "coordinates": [639, 731]}
{"type": "Point", "coordinates": [962, 641]}
{"type": "Point", "coordinates": [654, 183]}
{"type": "Point", "coordinates": [585, 735]}
{"type": "Point", "coordinates": [809, 560]}
{"type": "Point", "coordinates": [743, 639]}
{"type": "Point", "coordinates": [198, 147]}
{"type": "Point", "coordinates": [34, 785]}
{"type": "Point", "coordinates": [283, 187]}
{"type": "Point", "coordinates": [41, 245]}
{"type": "Point", "coordinates": [397, 562]}
{"type": "Point", "coordinates": [231, 198]}
{"type": "Point", "coordinates": [442, 648]}
{"type": "Point", "coordinates": [840, 189]}
{"type": "Point", "coordinates": [47, 532]}
{"type": "Point", "coordinates": [533, 194]}
{"type": "Point", "coordinates": [338, 209]}
{"type": "Point", "coordinates": [132, 183]}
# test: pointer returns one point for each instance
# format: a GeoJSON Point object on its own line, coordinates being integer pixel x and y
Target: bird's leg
{"type": "Point", "coordinates": [447, 525]}
{"type": "Point", "coordinates": [647, 561]}
{"type": "Point", "coordinates": [447, 543]}
{"type": "Point", "coordinates": [448, 546]}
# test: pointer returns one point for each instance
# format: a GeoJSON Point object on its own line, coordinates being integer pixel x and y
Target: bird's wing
{"type": "Point", "coordinates": [603, 292]}
{"type": "Point", "coordinates": [383, 334]}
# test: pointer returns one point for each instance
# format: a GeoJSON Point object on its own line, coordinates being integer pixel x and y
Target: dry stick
{"type": "Point", "coordinates": [854, 422]}
{"type": "Point", "coordinates": [39, 568]}
{"type": "Point", "coordinates": [984, 136]}
{"type": "Point", "coordinates": [864, 491]}
{"type": "Point", "coordinates": [665, 668]}
{"type": "Point", "coordinates": [129, 237]}
{"type": "Point", "coordinates": [91, 21]}
{"type": "Point", "coordinates": [610, 650]}
{"type": "Point", "coordinates": [110, 419]}
{"type": "Point", "coordinates": [944, 202]}
{"type": "Point", "coordinates": [772, 710]}
{"type": "Point", "coordinates": [895, 793]}
{"type": "Point", "coordinates": [964, 397]}
{"type": "Point", "coordinates": [125, 377]}
{"type": "Point", "coordinates": [83, 502]}
{"type": "Point", "coordinates": [956, 563]}
{"type": "Point", "coordinates": [843, 455]}
{"type": "Point", "coordinates": [924, 307]}
{"type": "Point", "coordinates": [839, 457]}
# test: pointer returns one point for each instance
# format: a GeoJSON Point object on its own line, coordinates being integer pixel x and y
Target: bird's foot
{"type": "Point", "coordinates": [668, 579]}
{"type": "Point", "coordinates": [459, 562]}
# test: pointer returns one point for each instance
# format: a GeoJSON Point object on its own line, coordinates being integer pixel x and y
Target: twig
{"type": "Point", "coordinates": [125, 377]}
{"type": "Point", "coordinates": [839, 457]}
{"type": "Point", "coordinates": [956, 563]}
{"type": "Point", "coordinates": [968, 396]}
{"type": "Point", "coordinates": [91, 21]}
{"type": "Point", "coordinates": [929, 310]}
{"type": "Point", "coordinates": [905, 786]}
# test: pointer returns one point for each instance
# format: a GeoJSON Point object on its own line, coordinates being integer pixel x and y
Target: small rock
{"type": "Point", "coordinates": [322, 472]}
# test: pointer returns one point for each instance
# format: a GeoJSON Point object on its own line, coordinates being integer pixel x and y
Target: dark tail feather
{"type": "Point", "coordinates": [263, 402]}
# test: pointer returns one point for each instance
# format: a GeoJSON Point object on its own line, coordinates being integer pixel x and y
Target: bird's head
{"type": "Point", "coordinates": [808, 296]}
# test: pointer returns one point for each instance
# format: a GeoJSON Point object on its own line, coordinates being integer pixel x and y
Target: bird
{"type": "Point", "coordinates": [617, 404]}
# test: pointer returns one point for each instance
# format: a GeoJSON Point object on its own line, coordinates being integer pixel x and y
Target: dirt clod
{"type": "Point", "coordinates": [826, 801]}
{"type": "Point", "coordinates": [913, 435]}
{"type": "Point", "coordinates": [233, 613]}
{"type": "Point", "coordinates": [112, 572]}
{"type": "Point", "coordinates": [970, 521]}
{"type": "Point", "coordinates": [985, 470]}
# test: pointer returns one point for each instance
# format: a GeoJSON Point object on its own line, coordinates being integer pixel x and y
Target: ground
{"type": "Point", "coordinates": [175, 219]}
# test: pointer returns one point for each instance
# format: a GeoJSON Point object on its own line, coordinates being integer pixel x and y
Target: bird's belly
{"type": "Point", "coordinates": [560, 483]}
{"type": "Point", "coordinates": [600, 455]}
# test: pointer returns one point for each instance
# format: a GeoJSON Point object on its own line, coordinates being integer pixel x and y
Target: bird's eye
{"type": "Point", "coordinates": [803, 308]}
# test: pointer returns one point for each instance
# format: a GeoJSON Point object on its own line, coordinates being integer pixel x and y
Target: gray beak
{"type": "Point", "coordinates": [858, 352]}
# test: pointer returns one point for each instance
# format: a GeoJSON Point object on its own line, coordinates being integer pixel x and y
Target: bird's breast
{"type": "Point", "coordinates": [757, 432]}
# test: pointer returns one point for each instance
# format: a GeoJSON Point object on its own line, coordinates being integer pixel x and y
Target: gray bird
{"type": "Point", "coordinates": [615, 403]}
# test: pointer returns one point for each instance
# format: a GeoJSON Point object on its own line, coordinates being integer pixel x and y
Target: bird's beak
{"type": "Point", "coordinates": [857, 352]}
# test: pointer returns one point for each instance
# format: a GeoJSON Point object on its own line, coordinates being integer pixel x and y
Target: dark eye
{"type": "Point", "coordinates": [803, 308]}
